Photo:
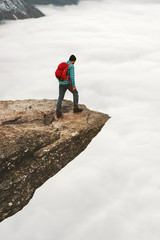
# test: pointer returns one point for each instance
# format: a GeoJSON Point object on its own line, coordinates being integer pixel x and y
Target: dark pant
{"type": "Point", "coordinates": [62, 90]}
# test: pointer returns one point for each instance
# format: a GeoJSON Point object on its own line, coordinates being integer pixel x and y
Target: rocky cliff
{"type": "Point", "coordinates": [34, 146]}
{"type": "Point", "coordinates": [17, 9]}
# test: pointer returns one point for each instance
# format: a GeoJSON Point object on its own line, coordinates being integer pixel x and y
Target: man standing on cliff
{"type": "Point", "coordinates": [70, 85]}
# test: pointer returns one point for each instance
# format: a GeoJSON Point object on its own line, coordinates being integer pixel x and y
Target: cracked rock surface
{"type": "Point", "coordinates": [34, 146]}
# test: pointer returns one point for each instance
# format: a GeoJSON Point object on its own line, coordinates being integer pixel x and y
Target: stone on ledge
{"type": "Point", "coordinates": [34, 146]}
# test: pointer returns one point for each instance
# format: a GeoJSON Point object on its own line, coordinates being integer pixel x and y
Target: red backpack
{"type": "Point", "coordinates": [61, 72]}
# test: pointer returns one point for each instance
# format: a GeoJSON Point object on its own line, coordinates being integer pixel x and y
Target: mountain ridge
{"type": "Point", "coordinates": [54, 2]}
{"type": "Point", "coordinates": [18, 9]}
{"type": "Point", "coordinates": [23, 9]}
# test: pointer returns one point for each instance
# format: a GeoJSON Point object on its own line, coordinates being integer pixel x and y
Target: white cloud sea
{"type": "Point", "coordinates": [111, 190]}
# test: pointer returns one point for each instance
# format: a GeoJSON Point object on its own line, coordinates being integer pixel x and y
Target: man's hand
{"type": "Point", "coordinates": [74, 89]}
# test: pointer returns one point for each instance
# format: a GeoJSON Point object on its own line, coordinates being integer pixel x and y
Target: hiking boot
{"type": "Point", "coordinates": [59, 114]}
{"type": "Point", "coordinates": [77, 109]}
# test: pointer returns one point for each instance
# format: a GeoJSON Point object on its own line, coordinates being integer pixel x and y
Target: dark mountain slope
{"type": "Point", "coordinates": [17, 9]}
{"type": "Point", "coordinates": [55, 2]}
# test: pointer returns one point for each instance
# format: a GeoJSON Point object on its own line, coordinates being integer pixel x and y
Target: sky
{"type": "Point", "coordinates": [112, 189]}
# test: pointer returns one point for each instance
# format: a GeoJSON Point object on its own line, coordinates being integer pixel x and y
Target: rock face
{"type": "Point", "coordinates": [55, 2]}
{"type": "Point", "coordinates": [17, 9]}
{"type": "Point", "coordinates": [34, 146]}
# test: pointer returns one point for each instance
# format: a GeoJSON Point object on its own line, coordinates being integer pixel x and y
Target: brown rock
{"type": "Point", "coordinates": [34, 146]}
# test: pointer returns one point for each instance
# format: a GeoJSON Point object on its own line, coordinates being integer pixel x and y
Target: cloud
{"type": "Point", "coordinates": [111, 191]}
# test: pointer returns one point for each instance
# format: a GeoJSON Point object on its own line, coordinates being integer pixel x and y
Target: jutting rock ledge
{"type": "Point", "coordinates": [34, 146]}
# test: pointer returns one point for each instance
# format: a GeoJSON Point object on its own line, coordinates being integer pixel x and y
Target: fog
{"type": "Point", "coordinates": [112, 189]}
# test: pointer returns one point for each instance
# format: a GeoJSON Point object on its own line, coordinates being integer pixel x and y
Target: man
{"type": "Point", "coordinates": [70, 85]}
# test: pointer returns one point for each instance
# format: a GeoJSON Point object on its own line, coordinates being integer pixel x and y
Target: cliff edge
{"type": "Point", "coordinates": [34, 146]}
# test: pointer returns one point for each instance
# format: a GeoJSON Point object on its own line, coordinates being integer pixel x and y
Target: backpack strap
{"type": "Point", "coordinates": [68, 78]}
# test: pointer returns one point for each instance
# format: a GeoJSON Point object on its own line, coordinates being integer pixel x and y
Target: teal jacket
{"type": "Point", "coordinates": [71, 75]}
